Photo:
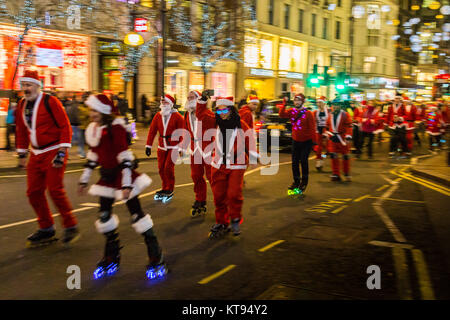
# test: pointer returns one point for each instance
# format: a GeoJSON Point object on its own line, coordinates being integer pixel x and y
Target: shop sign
{"type": "Point", "coordinates": [140, 25]}
{"type": "Point", "coordinates": [261, 72]}
{"type": "Point", "coordinates": [294, 75]}
{"type": "Point", "coordinates": [109, 47]}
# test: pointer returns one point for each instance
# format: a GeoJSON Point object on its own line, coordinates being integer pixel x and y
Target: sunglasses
{"type": "Point", "coordinates": [222, 111]}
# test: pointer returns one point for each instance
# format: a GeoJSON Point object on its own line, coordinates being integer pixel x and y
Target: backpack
{"type": "Point", "coordinates": [47, 106]}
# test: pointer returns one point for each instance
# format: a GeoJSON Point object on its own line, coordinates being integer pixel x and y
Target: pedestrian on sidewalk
{"type": "Point", "coordinates": [73, 112]}
{"type": "Point", "coordinates": [11, 123]}
{"type": "Point", "coordinates": [339, 131]}
{"type": "Point", "coordinates": [303, 139]}
{"type": "Point", "coordinates": [106, 136]}
{"type": "Point", "coordinates": [234, 147]}
{"type": "Point", "coordinates": [165, 123]}
{"type": "Point", "coordinates": [42, 122]}
{"type": "Point", "coordinates": [83, 115]}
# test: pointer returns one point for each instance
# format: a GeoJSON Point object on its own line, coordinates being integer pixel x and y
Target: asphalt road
{"type": "Point", "coordinates": [314, 247]}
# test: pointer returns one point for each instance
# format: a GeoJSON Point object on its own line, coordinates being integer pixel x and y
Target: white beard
{"type": "Point", "coordinates": [190, 105]}
{"type": "Point", "coordinates": [165, 111]}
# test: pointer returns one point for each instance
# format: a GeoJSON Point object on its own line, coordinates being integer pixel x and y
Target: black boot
{"type": "Point", "coordinates": [41, 237]}
{"type": "Point", "coordinates": [156, 267]}
{"type": "Point", "coordinates": [111, 259]}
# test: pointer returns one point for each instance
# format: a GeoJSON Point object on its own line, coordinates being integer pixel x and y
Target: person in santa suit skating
{"type": "Point", "coordinates": [303, 139]}
{"type": "Point", "coordinates": [339, 131]}
{"type": "Point", "coordinates": [409, 117]}
{"type": "Point", "coordinates": [435, 126]}
{"type": "Point", "coordinates": [165, 123]}
{"type": "Point", "coordinates": [419, 122]}
{"type": "Point", "coordinates": [320, 118]}
{"type": "Point", "coordinates": [42, 123]}
{"type": "Point", "coordinates": [398, 131]}
{"type": "Point", "coordinates": [247, 112]}
{"type": "Point", "coordinates": [199, 166]}
{"type": "Point", "coordinates": [234, 148]}
{"type": "Point", "coordinates": [356, 127]}
{"type": "Point", "coordinates": [106, 136]}
{"type": "Point", "coordinates": [369, 125]}
{"type": "Point", "coordinates": [396, 108]}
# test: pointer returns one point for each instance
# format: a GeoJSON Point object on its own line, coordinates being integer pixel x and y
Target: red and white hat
{"type": "Point", "coordinates": [253, 99]}
{"type": "Point", "coordinates": [168, 98]}
{"type": "Point", "coordinates": [322, 99]}
{"type": "Point", "coordinates": [225, 101]}
{"type": "Point", "coordinates": [364, 103]}
{"type": "Point", "coordinates": [197, 93]}
{"type": "Point", "coordinates": [300, 96]}
{"type": "Point", "coordinates": [100, 103]}
{"type": "Point", "coordinates": [31, 76]}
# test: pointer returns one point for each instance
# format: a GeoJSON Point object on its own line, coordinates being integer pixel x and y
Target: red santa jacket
{"type": "Point", "coordinates": [303, 125]}
{"type": "Point", "coordinates": [196, 130]}
{"type": "Point", "coordinates": [246, 114]}
{"type": "Point", "coordinates": [165, 130]}
{"type": "Point", "coordinates": [357, 115]}
{"type": "Point", "coordinates": [410, 113]}
{"type": "Point", "coordinates": [420, 114]}
{"type": "Point", "coordinates": [242, 140]}
{"type": "Point", "coordinates": [342, 127]}
{"type": "Point", "coordinates": [393, 109]}
{"type": "Point", "coordinates": [370, 119]}
{"type": "Point", "coordinates": [435, 123]}
{"type": "Point", "coordinates": [44, 134]}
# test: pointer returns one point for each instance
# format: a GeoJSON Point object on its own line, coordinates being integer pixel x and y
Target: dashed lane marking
{"type": "Point", "coordinates": [401, 200]}
{"type": "Point", "coordinates": [383, 187]}
{"type": "Point", "coordinates": [426, 288]}
{"type": "Point", "coordinates": [402, 272]}
{"type": "Point", "coordinates": [361, 198]}
{"type": "Point", "coordinates": [90, 204]}
{"type": "Point", "coordinates": [391, 244]}
{"type": "Point", "coordinates": [217, 274]}
{"type": "Point", "coordinates": [271, 245]}
{"type": "Point", "coordinates": [339, 209]}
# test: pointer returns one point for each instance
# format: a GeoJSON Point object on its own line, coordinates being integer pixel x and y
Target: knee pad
{"type": "Point", "coordinates": [106, 222]}
{"type": "Point", "coordinates": [346, 157]}
{"type": "Point", "coordinates": [142, 224]}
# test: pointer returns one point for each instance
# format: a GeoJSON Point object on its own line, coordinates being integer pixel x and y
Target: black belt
{"type": "Point", "coordinates": [166, 137]}
{"type": "Point", "coordinates": [45, 146]}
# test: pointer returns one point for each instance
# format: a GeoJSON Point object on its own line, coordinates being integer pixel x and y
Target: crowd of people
{"type": "Point", "coordinates": [220, 141]}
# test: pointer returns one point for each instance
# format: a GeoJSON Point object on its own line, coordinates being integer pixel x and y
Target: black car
{"type": "Point", "coordinates": [273, 126]}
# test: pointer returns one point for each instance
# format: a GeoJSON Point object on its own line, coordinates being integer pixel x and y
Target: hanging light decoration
{"type": "Point", "coordinates": [446, 27]}
{"type": "Point", "coordinates": [385, 8]}
{"type": "Point", "coordinates": [439, 16]}
{"type": "Point", "coordinates": [395, 37]}
{"type": "Point", "coordinates": [408, 31]}
{"type": "Point", "coordinates": [414, 20]}
{"type": "Point", "coordinates": [436, 38]}
{"type": "Point", "coordinates": [434, 5]}
{"type": "Point", "coordinates": [445, 10]}
{"type": "Point", "coordinates": [414, 38]}
{"type": "Point", "coordinates": [415, 7]}
{"type": "Point", "coordinates": [358, 12]}
{"type": "Point", "coordinates": [416, 47]}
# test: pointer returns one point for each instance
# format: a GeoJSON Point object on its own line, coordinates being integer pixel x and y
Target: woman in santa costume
{"type": "Point", "coordinates": [369, 124]}
{"type": "Point", "coordinates": [42, 123]}
{"type": "Point", "coordinates": [435, 126]}
{"type": "Point", "coordinates": [357, 124]}
{"type": "Point", "coordinates": [165, 123]}
{"type": "Point", "coordinates": [199, 166]}
{"type": "Point", "coordinates": [320, 118]}
{"type": "Point", "coordinates": [396, 108]}
{"type": "Point", "coordinates": [410, 114]}
{"type": "Point", "coordinates": [339, 131]}
{"type": "Point", "coordinates": [303, 138]}
{"type": "Point", "coordinates": [247, 112]}
{"type": "Point", "coordinates": [107, 139]}
{"type": "Point", "coordinates": [234, 144]}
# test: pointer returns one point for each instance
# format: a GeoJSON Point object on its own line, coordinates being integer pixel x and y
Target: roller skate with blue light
{"type": "Point", "coordinates": [110, 262]}
{"type": "Point", "coordinates": [156, 270]}
{"type": "Point", "coordinates": [167, 196]}
{"type": "Point", "coordinates": [158, 195]}
{"type": "Point", "coordinates": [198, 209]}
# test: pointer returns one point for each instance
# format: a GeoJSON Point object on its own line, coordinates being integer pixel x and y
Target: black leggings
{"type": "Point", "coordinates": [134, 207]}
{"type": "Point", "coordinates": [397, 140]}
{"type": "Point", "coordinates": [369, 135]}
{"type": "Point", "coordinates": [300, 154]}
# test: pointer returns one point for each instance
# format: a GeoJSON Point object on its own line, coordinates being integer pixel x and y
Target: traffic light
{"type": "Point", "coordinates": [341, 82]}
{"type": "Point", "coordinates": [314, 78]}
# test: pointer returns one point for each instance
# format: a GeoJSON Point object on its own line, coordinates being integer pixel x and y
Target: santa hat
{"type": "Point", "coordinates": [253, 99]}
{"type": "Point", "coordinates": [322, 99]}
{"type": "Point", "coordinates": [300, 96]}
{"type": "Point", "coordinates": [168, 98]}
{"type": "Point", "coordinates": [100, 103]}
{"type": "Point", "coordinates": [364, 103]}
{"type": "Point", "coordinates": [225, 101]}
{"type": "Point", "coordinates": [197, 93]}
{"type": "Point", "coordinates": [31, 76]}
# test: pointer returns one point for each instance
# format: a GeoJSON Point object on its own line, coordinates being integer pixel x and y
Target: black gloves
{"type": "Point", "coordinates": [205, 95]}
{"type": "Point", "coordinates": [148, 151]}
{"type": "Point", "coordinates": [59, 158]}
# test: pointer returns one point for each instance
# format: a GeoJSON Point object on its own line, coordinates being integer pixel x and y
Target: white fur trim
{"type": "Point", "coordinates": [92, 156]}
{"type": "Point", "coordinates": [169, 101]}
{"type": "Point", "coordinates": [102, 191]}
{"type": "Point", "coordinates": [94, 103]}
{"type": "Point", "coordinates": [87, 172]}
{"type": "Point", "coordinates": [65, 145]}
{"type": "Point", "coordinates": [107, 226]}
{"type": "Point", "coordinates": [120, 121]}
{"type": "Point", "coordinates": [147, 146]}
{"type": "Point", "coordinates": [93, 134]}
{"type": "Point", "coordinates": [143, 224]}
{"type": "Point", "coordinates": [434, 133]}
{"type": "Point", "coordinates": [254, 101]}
{"type": "Point", "coordinates": [126, 177]}
{"type": "Point", "coordinates": [224, 102]}
{"type": "Point", "coordinates": [139, 184]}
{"type": "Point", "coordinates": [22, 150]}
{"type": "Point", "coordinates": [26, 79]}
{"type": "Point", "coordinates": [125, 155]}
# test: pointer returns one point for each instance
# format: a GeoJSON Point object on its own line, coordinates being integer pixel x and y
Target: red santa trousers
{"type": "Point", "coordinates": [198, 171]}
{"type": "Point", "coordinates": [227, 187]}
{"type": "Point", "coordinates": [166, 168]}
{"type": "Point", "coordinates": [337, 148]}
{"type": "Point", "coordinates": [322, 144]}
{"type": "Point", "coordinates": [41, 175]}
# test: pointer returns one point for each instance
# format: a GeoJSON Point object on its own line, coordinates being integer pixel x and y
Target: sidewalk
{"type": "Point", "coordinates": [8, 160]}
{"type": "Point", "coordinates": [434, 168]}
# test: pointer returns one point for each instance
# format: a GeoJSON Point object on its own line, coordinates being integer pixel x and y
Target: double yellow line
{"type": "Point", "coordinates": [400, 171]}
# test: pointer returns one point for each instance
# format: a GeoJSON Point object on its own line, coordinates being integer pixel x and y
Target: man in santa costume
{"type": "Point", "coordinates": [165, 123]}
{"type": "Point", "coordinates": [419, 122]}
{"type": "Point", "coordinates": [247, 112]}
{"type": "Point", "coordinates": [43, 125]}
{"type": "Point", "coordinates": [369, 124]}
{"type": "Point", "coordinates": [320, 118]}
{"type": "Point", "coordinates": [356, 125]}
{"type": "Point", "coordinates": [303, 138]}
{"type": "Point", "coordinates": [396, 108]}
{"type": "Point", "coordinates": [410, 114]}
{"type": "Point", "coordinates": [234, 147]}
{"type": "Point", "coordinates": [107, 137]}
{"type": "Point", "coordinates": [199, 166]}
{"type": "Point", "coordinates": [435, 126]}
{"type": "Point", "coordinates": [339, 131]}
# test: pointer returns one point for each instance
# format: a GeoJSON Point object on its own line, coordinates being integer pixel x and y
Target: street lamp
{"type": "Point", "coordinates": [133, 39]}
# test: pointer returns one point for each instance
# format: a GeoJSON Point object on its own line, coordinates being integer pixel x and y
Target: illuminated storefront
{"type": "Point", "coordinates": [110, 64]}
{"type": "Point", "coordinates": [62, 59]}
